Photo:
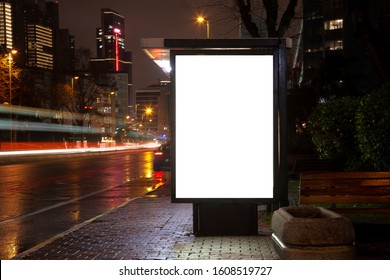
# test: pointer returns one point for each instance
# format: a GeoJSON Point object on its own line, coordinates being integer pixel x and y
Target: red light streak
{"type": "Point", "coordinates": [116, 54]}
{"type": "Point", "coordinates": [116, 31]}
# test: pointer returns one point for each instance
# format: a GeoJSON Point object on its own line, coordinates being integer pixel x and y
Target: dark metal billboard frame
{"type": "Point", "coordinates": [269, 46]}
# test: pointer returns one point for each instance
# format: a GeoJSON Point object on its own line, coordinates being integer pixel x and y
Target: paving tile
{"type": "Point", "coordinates": [152, 228]}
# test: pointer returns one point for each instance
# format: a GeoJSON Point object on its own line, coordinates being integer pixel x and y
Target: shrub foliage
{"type": "Point", "coordinates": [354, 132]}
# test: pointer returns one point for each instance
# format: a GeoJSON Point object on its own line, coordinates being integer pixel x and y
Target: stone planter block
{"type": "Point", "coordinates": [312, 233]}
{"type": "Point", "coordinates": [290, 252]}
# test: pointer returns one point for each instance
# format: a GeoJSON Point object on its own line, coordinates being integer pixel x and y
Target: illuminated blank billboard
{"type": "Point", "coordinates": [223, 126]}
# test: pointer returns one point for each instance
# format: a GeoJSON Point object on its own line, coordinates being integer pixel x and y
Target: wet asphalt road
{"type": "Point", "coordinates": [40, 199]}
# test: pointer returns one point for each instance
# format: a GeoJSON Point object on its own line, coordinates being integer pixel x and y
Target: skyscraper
{"type": "Point", "coordinates": [34, 29]}
{"type": "Point", "coordinates": [350, 34]}
{"type": "Point", "coordinates": [36, 37]}
{"type": "Point", "coordinates": [110, 43]}
{"type": "Point", "coordinates": [5, 26]}
{"type": "Point", "coordinates": [113, 67]}
{"type": "Point", "coordinates": [65, 60]}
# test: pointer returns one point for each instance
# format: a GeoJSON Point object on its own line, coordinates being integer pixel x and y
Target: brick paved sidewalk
{"type": "Point", "coordinates": [151, 227]}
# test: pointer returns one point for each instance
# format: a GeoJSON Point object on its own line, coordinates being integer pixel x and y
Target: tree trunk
{"type": "Point", "coordinates": [272, 11]}
{"type": "Point", "coordinates": [370, 40]}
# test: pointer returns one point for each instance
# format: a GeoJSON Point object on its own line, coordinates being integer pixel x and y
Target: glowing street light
{"type": "Point", "coordinates": [73, 78]}
{"type": "Point", "coordinates": [202, 20]}
{"type": "Point", "coordinates": [10, 90]}
{"type": "Point", "coordinates": [112, 102]}
{"type": "Point", "coordinates": [148, 111]}
{"type": "Point", "coordinates": [10, 72]}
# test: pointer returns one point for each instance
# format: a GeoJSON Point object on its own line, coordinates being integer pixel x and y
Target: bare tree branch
{"type": "Point", "coordinates": [251, 13]}
{"type": "Point", "coordinates": [246, 16]}
{"type": "Point", "coordinates": [272, 8]}
{"type": "Point", "coordinates": [287, 18]}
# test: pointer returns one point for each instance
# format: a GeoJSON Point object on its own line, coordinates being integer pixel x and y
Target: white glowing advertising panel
{"type": "Point", "coordinates": [224, 126]}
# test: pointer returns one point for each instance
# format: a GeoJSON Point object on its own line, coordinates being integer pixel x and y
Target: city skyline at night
{"type": "Point", "coordinates": [146, 19]}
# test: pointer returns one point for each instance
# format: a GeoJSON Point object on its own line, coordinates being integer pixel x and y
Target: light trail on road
{"type": "Point", "coordinates": [44, 199]}
{"type": "Point", "coordinates": [80, 150]}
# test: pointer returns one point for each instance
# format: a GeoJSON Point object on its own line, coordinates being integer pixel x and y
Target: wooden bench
{"type": "Point", "coordinates": [346, 192]}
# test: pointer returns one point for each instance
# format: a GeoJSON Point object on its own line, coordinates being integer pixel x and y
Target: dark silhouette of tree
{"type": "Point", "coordinates": [80, 99]}
{"type": "Point", "coordinates": [272, 8]}
{"type": "Point", "coordinates": [78, 91]}
{"type": "Point", "coordinates": [82, 58]}
{"type": "Point", "coordinates": [374, 41]}
{"type": "Point", "coordinates": [277, 15]}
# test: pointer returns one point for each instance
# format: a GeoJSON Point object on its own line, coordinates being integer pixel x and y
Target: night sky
{"type": "Point", "coordinates": [143, 19]}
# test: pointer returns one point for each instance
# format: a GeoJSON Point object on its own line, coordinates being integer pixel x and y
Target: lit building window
{"type": "Point", "coordinates": [39, 42]}
{"type": "Point", "coordinates": [5, 25]}
{"type": "Point", "coordinates": [313, 15]}
{"type": "Point", "coordinates": [313, 50]}
{"type": "Point", "coordinates": [333, 24]}
{"type": "Point", "coordinates": [334, 45]}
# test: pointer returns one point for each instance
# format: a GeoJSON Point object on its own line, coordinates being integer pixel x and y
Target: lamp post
{"type": "Point", "coordinates": [201, 19]}
{"type": "Point", "coordinates": [73, 78]}
{"type": "Point", "coordinates": [10, 92]}
{"type": "Point", "coordinates": [112, 102]}
{"type": "Point", "coordinates": [148, 111]}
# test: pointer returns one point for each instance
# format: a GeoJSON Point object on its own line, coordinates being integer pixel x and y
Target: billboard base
{"type": "Point", "coordinates": [216, 219]}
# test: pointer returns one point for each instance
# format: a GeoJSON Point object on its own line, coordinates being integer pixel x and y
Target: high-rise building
{"type": "Point", "coordinates": [110, 38]}
{"type": "Point", "coordinates": [37, 38]}
{"type": "Point", "coordinates": [352, 33]}
{"type": "Point", "coordinates": [110, 43]}
{"type": "Point", "coordinates": [113, 67]}
{"type": "Point", "coordinates": [39, 46]}
{"type": "Point", "coordinates": [65, 60]}
{"type": "Point", "coordinates": [151, 110]}
{"type": "Point", "coordinates": [33, 33]}
{"type": "Point", "coordinates": [5, 26]}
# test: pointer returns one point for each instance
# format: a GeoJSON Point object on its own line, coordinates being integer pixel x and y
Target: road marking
{"type": "Point", "coordinates": [59, 204]}
{"type": "Point", "coordinates": [72, 229]}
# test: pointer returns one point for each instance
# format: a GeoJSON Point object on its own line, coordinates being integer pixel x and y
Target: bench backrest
{"type": "Point", "coordinates": [346, 188]}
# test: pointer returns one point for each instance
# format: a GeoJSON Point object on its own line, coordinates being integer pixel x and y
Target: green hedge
{"type": "Point", "coordinates": [354, 132]}
{"type": "Point", "coordinates": [373, 129]}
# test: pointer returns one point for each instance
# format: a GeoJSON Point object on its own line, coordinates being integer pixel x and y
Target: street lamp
{"type": "Point", "coordinates": [148, 111]}
{"type": "Point", "coordinates": [201, 19]}
{"type": "Point", "coordinates": [10, 90]}
{"type": "Point", "coordinates": [73, 78]}
{"type": "Point", "coordinates": [112, 101]}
